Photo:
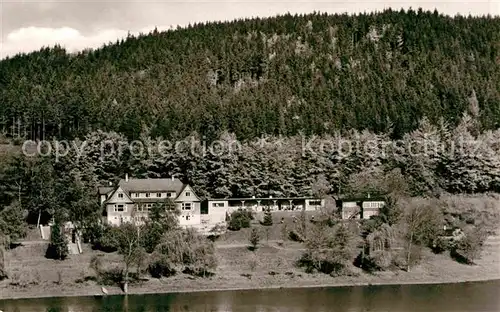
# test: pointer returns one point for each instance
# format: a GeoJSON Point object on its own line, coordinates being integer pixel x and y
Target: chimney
{"type": "Point", "coordinates": [126, 177]}
{"type": "Point", "coordinates": [173, 178]}
{"type": "Point", "coordinates": [368, 195]}
{"type": "Point", "coordinates": [110, 183]}
{"type": "Point", "coordinates": [270, 196]}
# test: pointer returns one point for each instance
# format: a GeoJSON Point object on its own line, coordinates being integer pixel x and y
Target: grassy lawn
{"type": "Point", "coordinates": [271, 265]}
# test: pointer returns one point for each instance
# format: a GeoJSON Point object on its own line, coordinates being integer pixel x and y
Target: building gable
{"type": "Point", "coordinates": [187, 195]}
{"type": "Point", "coordinates": [119, 196]}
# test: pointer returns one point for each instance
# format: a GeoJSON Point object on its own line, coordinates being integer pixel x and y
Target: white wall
{"type": "Point", "coordinates": [217, 214]}
{"type": "Point", "coordinates": [309, 206]}
{"type": "Point", "coordinates": [116, 217]}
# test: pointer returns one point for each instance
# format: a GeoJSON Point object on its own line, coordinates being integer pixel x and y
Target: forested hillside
{"type": "Point", "coordinates": [312, 74]}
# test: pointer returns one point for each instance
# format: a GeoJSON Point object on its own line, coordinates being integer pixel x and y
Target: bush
{"type": "Point", "coordinates": [254, 238]}
{"type": "Point", "coordinates": [3, 274]}
{"type": "Point", "coordinates": [161, 266]}
{"type": "Point", "coordinates": [3, 271]}
{"type": "Point", "coordinates": [108, 241]}
{"type": "Point", "coordinates": [112, 277]}
{"type": "Point", "coordinates": [440, 245]}
{"type": "Point", "coordinates": [216, 232]}
{"type": "Point", "coordinates": [329, 250]}
{"type": "Point", "coordinates": [184, 250]}
{"type": "Point", "coordinates": [400, 259]}
{"type": "Point", "coordinates": [468, 248]}
{"type": "Point", "coordinates": [293, 235]}
{"type": "Point", "coordinates": [268, 219]}
{"type": "Point", "coordinates": [58, 247]}
{"type": "Point", "coordinates": [199, 259]}
{"type": "Point", "coordinates": [240, 219]}
{"type": "Point", "coordinates": [379, 260]}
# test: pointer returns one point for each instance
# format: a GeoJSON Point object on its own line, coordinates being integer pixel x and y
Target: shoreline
{"type": "Point", "coordinates": [36, 277]}
{"type": "Point", "coordinates": [34, 292]}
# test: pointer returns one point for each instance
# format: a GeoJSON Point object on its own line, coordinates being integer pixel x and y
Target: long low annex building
{"type": "Point", "coordinates": [217, 209]}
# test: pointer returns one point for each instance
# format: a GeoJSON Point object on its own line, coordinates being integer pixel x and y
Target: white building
{"type": "Point", "coordinates": [363, 208]}
{"type": "Point", "coordinates": [132, 199]}
{"type": "Point", "coordinates": [218, 208]}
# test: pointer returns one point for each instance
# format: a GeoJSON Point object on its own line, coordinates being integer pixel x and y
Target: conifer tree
{"type": "Point", "coordinates": [268, 218]}
{"type": "Point", "coordinates": [58, 246]}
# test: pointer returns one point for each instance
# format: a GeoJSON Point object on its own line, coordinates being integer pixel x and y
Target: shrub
{"type": "Point", "coordinates": [440, 245]}
{"type": "Point", "coordinates": [58, 247]}
{"type": "Point", "coordinates": [240, 219]}
{"type": "Point", "coordinates": [199, 258]}
{"type": "Point", "coordinates": [268, 219]}
{"type": "Point", "coordinates": [3, 271]}
{"type": "Point", "coordinates": [3, 274]}
{"type": "Point", "coordinates": [216, 232]}
{"type": "Point", "coordinates": [108, 241]}
{"type": "Point", "coordinates": [112, 277]}
{"type": "Point", "coordinates": [329, 250]}
{"type": "Point", "coordinates": [184, 250]}
{"type": "Point", "coordinates": [468, 247]}
{"type": "Point", "coordinates": [161, 266]}
{"type": "Point", "coordinates": [254, 238]}
{"type": "Point", "coordinates": [295, 236]}
{"type": "Point", "coordinates": [379, 260]}
{"type": "Point", "coordinates": [400, 259]}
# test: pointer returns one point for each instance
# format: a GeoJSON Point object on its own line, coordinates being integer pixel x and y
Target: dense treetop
{"type": "Point", "coordinates": [312, 74]}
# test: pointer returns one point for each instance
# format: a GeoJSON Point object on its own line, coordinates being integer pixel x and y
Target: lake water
{"type": "Point", "coordinates": [470, 297]}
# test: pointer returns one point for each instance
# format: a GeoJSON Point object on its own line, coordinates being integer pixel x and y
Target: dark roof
{"type": "Point", "coordinates": [264, 198]}
{"type": "Point", "coordinates": [365, 199]}
{"type": "Point", "coordinates": [151, 185]}
{"type": "Point", "coordinates": [104, 190]}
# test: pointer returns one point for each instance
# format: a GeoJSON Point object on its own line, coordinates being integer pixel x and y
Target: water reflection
{"type": "Point", "coordinates": [471, 297]}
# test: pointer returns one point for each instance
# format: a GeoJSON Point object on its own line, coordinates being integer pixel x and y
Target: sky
{"type": "Point", "coordinates": [27, 25]}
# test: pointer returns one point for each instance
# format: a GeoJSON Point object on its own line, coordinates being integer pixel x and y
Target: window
{"type": "Point", "coordinates": [119, 208]}
{"type": "Point", "coordinates": [218, 205]}
{"type": "Point", "coordinates": [158, 194]}
{"type": "Point", "coordinates": [188, 217]}
{"type": "Point", "coordinates": [169, 194]}
{"type": "Point", "coordinates": [136, 194]}
{"type": "Point", "coordinates": [120, 195]}
{"type": "Point", "coordinates": [148, 207]}
{"type": "Point", "coordinates": [186, 206]}
{"type": "Point", "coordinates": [148, 195]}
{"type": "Point", "coordinates": [188, 193]}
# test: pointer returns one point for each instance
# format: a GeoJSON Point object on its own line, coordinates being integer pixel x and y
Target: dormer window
{"type": "Point", "coordinates": [148, 195]}
{"type": "Point", "coordinates": [120, 195]}
{"type": "Point", "coordinates": [158, 194]}
{"type": "Point", "coordinates": [169, 194]}
{"type": "Point", "coordinates": [188, 193]}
